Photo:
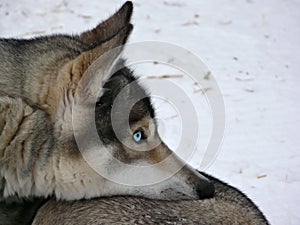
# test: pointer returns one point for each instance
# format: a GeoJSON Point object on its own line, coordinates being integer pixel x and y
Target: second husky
{"type": "Point", "coordinates": [228, 206]}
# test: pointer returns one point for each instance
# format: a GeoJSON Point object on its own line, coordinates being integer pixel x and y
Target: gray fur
{"type": "Point", "coordinates": [38, 79]}
{"type": "Point", "coordinates": [228, 207]}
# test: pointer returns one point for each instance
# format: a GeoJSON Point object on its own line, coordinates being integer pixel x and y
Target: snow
{"type": "Point", "coordinates": [252, 48]}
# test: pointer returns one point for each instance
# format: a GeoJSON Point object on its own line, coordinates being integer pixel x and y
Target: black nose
{"type": "Point", "coordinates": [205, 189]}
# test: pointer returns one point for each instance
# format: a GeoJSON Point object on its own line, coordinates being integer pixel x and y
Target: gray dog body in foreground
{"type": "Point", "coordinates": [229, 206]}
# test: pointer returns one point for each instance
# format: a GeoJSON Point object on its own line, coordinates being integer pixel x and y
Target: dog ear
{"type": "Point", "coordinates": [85, 59]}
{"type": "Point", "coordinates": [77, 67]}
{"type": "Point", "coordinates": [110, 27]}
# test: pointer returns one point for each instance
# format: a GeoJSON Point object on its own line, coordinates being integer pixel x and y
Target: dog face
{"type": "Point", "coordinates": [133, 139]}
{"type": "Point", "coordinates": [139, 145]}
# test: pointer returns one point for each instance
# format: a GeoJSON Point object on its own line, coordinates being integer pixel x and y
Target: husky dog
{"type": "Point", "coordinates": [40, 159]}
{"type": "Point", "coordinates": [229, 206]}
{"type": "Point", "coordinates": [39, 156]}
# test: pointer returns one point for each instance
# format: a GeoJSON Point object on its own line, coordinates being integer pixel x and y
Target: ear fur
{"type": "Point", "coordinates": [110, 27]}
{"type": "Point", "coordinates": [110, 34]}
{"type": "Point", "coordinates": [106, 36]}
{"type": "Point", "coordinates": [81, 63]}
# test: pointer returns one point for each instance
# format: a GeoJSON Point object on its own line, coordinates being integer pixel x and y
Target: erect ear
{"type": "Point", "coordinates": [110, 27]}
{"type": "Point", "coordinates": [109, 35]}
{"type": "Point", "coordinates": [78, 66]}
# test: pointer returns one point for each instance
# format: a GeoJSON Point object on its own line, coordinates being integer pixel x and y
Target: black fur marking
{"type": "Point", "coordinates": [112, 88]}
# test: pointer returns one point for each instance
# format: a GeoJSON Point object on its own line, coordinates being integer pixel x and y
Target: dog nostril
{"type": "Point", "coordinates": [205, 189]}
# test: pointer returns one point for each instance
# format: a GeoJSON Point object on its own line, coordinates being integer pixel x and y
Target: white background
{"type": "Point", "coordinates": [252, 48]}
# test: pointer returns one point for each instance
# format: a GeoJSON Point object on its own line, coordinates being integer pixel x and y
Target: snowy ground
{"type": "Point", "coordinates": [252, 48]}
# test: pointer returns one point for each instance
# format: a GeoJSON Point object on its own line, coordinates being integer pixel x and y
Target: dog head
{"type": "Point", "coordinates": [132, 138]}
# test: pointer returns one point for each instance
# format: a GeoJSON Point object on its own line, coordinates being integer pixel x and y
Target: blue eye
{"type": "Point", "coordinates": [138, 136]}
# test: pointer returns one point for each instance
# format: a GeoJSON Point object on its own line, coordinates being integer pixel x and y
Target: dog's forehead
{"type": "Point", "coordinates": [121, 80]}
{"type": "Point", "coordinates": [147, 122]}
